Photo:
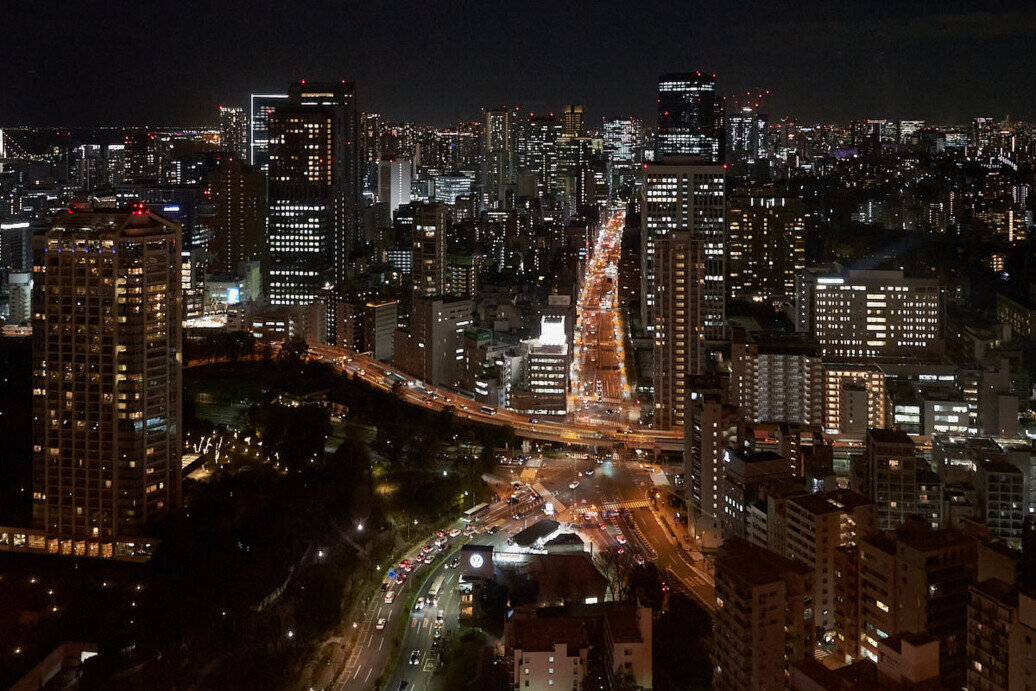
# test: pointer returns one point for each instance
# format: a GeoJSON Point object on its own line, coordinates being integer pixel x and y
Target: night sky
{"type": "Point", "coordinates": [165, 63]}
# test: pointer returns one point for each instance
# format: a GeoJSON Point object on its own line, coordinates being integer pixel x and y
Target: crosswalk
{"type": "Point", "coordinates": [633, 504]}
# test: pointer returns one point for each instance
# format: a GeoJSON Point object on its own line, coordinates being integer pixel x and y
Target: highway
{"type": "Point", "coordinates": [602, 434]}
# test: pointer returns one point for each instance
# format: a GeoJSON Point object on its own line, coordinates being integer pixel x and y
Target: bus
{"type": "Point", "coordinates": [474, 512]}
{"type": "Point", "coordinates": [435, 591]}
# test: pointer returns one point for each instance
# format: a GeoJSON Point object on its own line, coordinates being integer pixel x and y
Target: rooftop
{"type": "Point", "coordinates": [829, 502]}
{"type": "Point", "coordinates": [754, 565]}
{"type": "Point", "coordinates": [541, 635]}
{"type": "Point", "coordinates": [889, 436]}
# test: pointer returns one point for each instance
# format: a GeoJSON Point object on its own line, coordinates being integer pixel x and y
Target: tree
{"type": "Point", "coordinates": [294, 348]}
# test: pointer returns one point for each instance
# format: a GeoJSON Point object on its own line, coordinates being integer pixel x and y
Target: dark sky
{"type": "Point", "coordinates": [148, 62]}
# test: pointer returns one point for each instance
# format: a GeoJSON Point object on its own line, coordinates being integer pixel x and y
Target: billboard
{"type": "Point", "coordinates": [476, 562]}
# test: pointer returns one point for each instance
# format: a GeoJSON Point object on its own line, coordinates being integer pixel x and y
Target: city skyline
{"type": "Point", "coordinates": [821, 62]}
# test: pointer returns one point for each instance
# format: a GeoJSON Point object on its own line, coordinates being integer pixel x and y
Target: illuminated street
{"type": "Point", "coordinates": [599, 383]}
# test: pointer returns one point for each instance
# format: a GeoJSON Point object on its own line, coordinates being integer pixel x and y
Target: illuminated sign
{"type": "Point", "coordinates": [476, 561]}
{"type": "Point", "coordinates": [233, 295]}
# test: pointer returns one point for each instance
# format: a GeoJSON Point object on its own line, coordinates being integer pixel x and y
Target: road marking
{"type": "Point", "coordinates": [381, 642]}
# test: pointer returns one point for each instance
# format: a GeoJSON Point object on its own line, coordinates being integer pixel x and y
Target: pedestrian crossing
{"type": "Point", "coordinates": [616, 505]}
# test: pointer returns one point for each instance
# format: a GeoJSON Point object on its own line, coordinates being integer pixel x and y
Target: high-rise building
{"type": "Point", "coordinates": [239, 228]}
{"type": "Point", "coordinates": [1001, 649]}
{"type": "Point", "coordinates": [536, 154]}
{"type": "Point", "coordinates": [623, 142]}
{"type": "Point", "coordinates": [142, 156]}
{"type": "Point", "coordinates": [572, 123]}
{"type": "Point", "coordinates": [259, 128]}
{"type": "Point", "coordinates": [106, 343]}
{"type": "Point", "coordinates": [428, 260]}
{"type": "Point", "coordinates": [916, 579]}
{"type": "Point", "coordinates": [766, 245]}
{"type": "Point", "coordinates": [394, 183]}
{"type": "Point", "coordinates": [855, 398]}
{"type": "Point", "coordinates": [863, 314]}
{"type": "Point", "coordinates": [777, 378]}
{"type": "Point", "coordinates": [748, 136]}
{"type": "Point", "coordinates": [233, 131]}
{"type": "Point", "coordinates": [893, 475]}
{"type": "Point", "coordinates": [678, 330]}
{"type": "Point", "coordinates": [313, 191]}
{"type": "Point", "coordinates": [19, 298]}
{"type": "Point", "coordinates": [432, 348]}
{"type": "Point", "coordinates": [763, 619]}
{"type": "Point", "coordinates": [817, 525]}
{"type": "Point", "coordinates": [690, 117]}
{"type": "Point", "coordinates": [543, 389]}
{"type": "Point", "coordinates": [685, 196]}
{"type": "Point", "coordinates": [711, 428]}
{"type": "Point", "coordinates": [497, 154]}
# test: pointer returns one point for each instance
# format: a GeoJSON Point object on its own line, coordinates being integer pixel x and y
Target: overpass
{"type": "Point", "coordinates": [605, 435]}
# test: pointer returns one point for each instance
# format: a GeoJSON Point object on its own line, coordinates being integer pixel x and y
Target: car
{"type": "Point", "coordinates": [440, 534]}
{"type": "Point", "coordinates": [516, 485]}
{"type": "Point", "coordinates": [620, 550]}
{"type": "Point", "coordinates": [400, 577]}
{"type": "Point", "coordinates": [639, 559]}
{"type": "Point", "coordinates": [492, 530]}
{"type": "Point", "coordinates": [454, 562]}
{"type": "Point", "coordinates": [621, 538]}
{"type": "Point", "coordinates": [516, 516]}
{"type": "Point", "coordinates": [415, 657]}
{"type": "Point", "coordinates": [454, 532]}
{"type": "Point", "coordinates": [403, 685]}
{"type": "Point", "coordinates": [573, 484]}
{"type": "Point", "coordinates": [384, 586]}
{"type": "Point", "coordinates": [389, 597]}
{"type": "Point", "coordinates": [380, 626]}
{"type": "Point", "coordinates": [446, 399]}
{"type": "Point", "coordinates": [602, 526]}
{"type": "Point", "coordinates": [426, 549]}
{"type": "Point", "coordinates": [534, 420]}
{"type": "Point", "coordinates": [588, 472]}
{"type": "Point", "coordinates": [419, 605]}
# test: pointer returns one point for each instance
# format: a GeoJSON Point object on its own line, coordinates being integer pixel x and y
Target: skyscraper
{"type": "Point", "coordinates": [690, 117]}
{"type": "Point", "coordinates": [623, 143]}
{"type": "Point", "coordinates": [313, 191]}
{"type": "Point", "coordinates": [678, 328]}
{"type": "Point", "coordinates": [685, 194]}
{"type": "Point", "coordinates": [233, 131]}
{"type": "Point", "coordinates": [497, 154]}
{"type": "Point", "coordinates": [748, 135]}
{"type": "Point", "coordinates": [766, 245]}
{"type": "Point", "coordinates": [394, 183]}
{"type": "Point", "coordinates": [106, 401]}
{"type": "Point", "coordinates": [536, 151]}
{"type": "Point", "coordinates": [572, 124]}
{"type": "Point", "coordinates": [239, 228]}
{"type": "Point", "coordinates": [428, 260]}
{"type": "Point", "coordinates": [258, 128]}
